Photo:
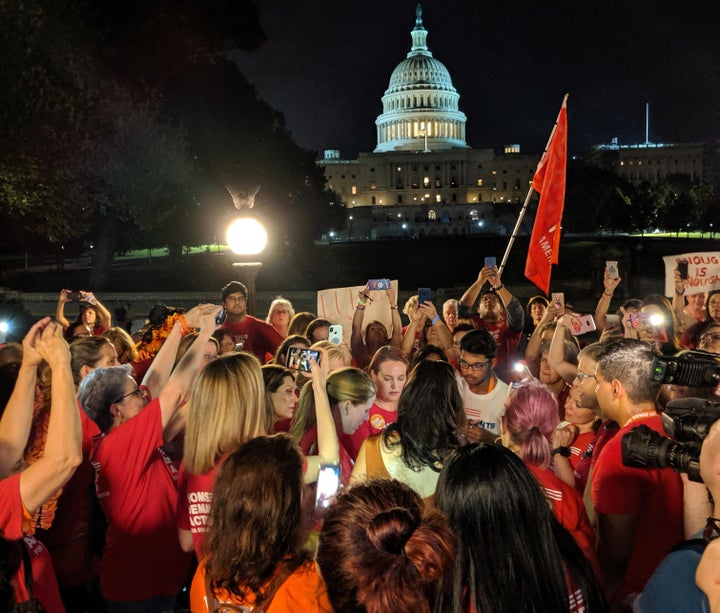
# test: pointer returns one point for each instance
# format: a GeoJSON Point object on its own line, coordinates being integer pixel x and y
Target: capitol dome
{"type": "Point", "coordinates": [420, 105]}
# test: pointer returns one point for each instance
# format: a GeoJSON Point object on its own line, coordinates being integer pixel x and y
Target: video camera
{"type": "Point", "coordinates": [687, 420]}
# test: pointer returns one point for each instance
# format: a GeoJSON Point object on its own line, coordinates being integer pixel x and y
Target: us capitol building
{"type": "Point", "coordinates": [423, 179]}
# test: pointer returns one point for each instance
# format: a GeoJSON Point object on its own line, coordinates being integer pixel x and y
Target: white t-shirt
{"type": "Point", "coordinates": [485, 410]}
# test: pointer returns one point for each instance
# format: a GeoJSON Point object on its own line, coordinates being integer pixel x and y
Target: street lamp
{"type": "Point", "coordinates": [246, 237]}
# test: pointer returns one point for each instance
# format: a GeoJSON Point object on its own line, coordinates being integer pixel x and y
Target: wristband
{"type": "Point", "coordinates": [393, 308]}
{"type": "Point", "coordinates": [359, 307]}
{"type": "Point", "coordinates": [563, 451]}
{"type": "Point", "coordinates": [606, 294]}
{"type": "Point", "coordinates": [679, 293]}
{"type": "Point", "coordinates": [184, 329]}
{"type": "Point", "coordinates": [499, 287]}
{"type": "Point", "coordinates": [435, 319]}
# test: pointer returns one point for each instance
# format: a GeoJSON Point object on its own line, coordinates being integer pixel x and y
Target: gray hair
{"type": "Point", "coordinates": [101, 388]}
{"type": "Point", "coordinates": [280, 302]}
{"type": "Point", "coordinates": [629, 361]}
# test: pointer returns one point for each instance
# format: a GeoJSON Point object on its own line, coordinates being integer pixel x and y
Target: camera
{"type": "Point", "coordinates": [688, 420]}
{"type": "Point", "coordinates": [692, 368]}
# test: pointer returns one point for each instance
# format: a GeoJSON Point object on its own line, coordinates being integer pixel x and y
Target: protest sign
{"type": "Point", "coordinates": [703, 272]}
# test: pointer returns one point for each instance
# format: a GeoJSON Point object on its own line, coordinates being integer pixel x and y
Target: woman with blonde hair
{"type": "Point", "coordinates": [227, 408]}
{"type": "Point", "coordinates": [350, 392]}
{"type": "Point", "coordinates": [280, 314]}
{"type": "Point", "coordinates": [123, 343]}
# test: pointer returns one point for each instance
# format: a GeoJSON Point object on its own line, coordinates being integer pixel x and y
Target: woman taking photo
{"type": "Point", "coordinates": [430, 420]}
{"type": "Point", "coordinates": [513, 556]}
{"type": "Point", "coordinates": [255, 555]}
{"type": "Point", "coordinates": [350, 392]}
{"type": "Point", "coordinates": [142, 564]}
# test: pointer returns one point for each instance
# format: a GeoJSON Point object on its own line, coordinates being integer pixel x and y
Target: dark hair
{"type": "Point", "coordinates": [378, 553]}
{"type": "Point", "coordinates": [386, 353]}
{"type": "Point", "coordinates": [8, 376]}
{"type": "Point", "coordinates": [79, 319]}
{"type": "Point", "coordinates": [281, 353]}
{"type": "Point", "coordinates": [513, 552]}
{"type": "Point", "coordinates": [629, 360]}
{"type": "Point", "coordinates": [11, 352]}
{"type": "Point", "coordinates": [232, 288]}
{"type": "Point", "coordinates": [314, 325]}
{"type": "Point", "coordinates": [299, 323]}
{"type": "Point", "coordinates": [273, 376]}
{"type": "Point", "coordinates": [256, 518]}
{"type": "Point", "coordinates": [430, 418]}
{"type": "Point", "coordinates": [479, 342]}
{"type": "Point", "coordinates": [426, 352]}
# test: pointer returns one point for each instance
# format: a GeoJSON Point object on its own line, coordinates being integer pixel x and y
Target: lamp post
{"type": "Point", "coordinates": [247, 237]}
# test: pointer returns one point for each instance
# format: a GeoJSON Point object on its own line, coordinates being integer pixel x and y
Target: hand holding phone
{"type": "Point", "coordinates": [378, 284]}
{"type": "Point", "coordinates": [424, 295]}
{"type": "Point", "coordinates": [682, 267]}
{"type": "Point", "coordinates": [328, 483]}
{"type": "Point", "coordinates": [558, 301]}
{"type": "Point", "coordinates": [298, 358]}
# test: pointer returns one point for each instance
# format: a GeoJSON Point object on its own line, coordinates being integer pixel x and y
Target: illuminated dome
{"type": "Point", "coordinates": [420, 105]}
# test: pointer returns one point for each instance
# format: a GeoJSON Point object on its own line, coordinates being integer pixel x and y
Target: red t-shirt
{"type": "Point", "coordinates": [507, 344]}
{"type": "Point", "coordinates": [654, 495]}
{"type": "Point", "coordinates": [256, 336]}
{"type": "Point", "coordinates": [568, 508]}
{"type": "Point", "coordinates": [587, 459]}
{"type": "Point", "coordinates": [193, 504]}
{"type": "Point", "coordinates": [579, 446]}
{"type": "Point", "coordinates": [136, 486]}
{"type": "Point", "coordinates": [308, 445]}
{"type": "Point", "coordinates": [377, 419]}
{"type": "Point", "coordinates": [13, 523]}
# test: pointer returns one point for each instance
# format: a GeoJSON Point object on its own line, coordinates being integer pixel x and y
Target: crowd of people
{"type": "Point", "coordinates": [471, 460]}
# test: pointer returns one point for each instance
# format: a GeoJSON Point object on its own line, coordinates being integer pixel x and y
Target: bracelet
{"type": "Point", "coordinates": [606, 294]}
{"type": "Point", "coordinates": [393, 308]}
{"type": "Point", "coordinates": [563, 451]}
{"type": "Point", "coordinates": [679, 293]}
{"type": "Point", "coordinates": [435, 319]}
{"type": "Point", "coordinates": [499, 287]}
{"type": "Point", "coordinates": [184, 329]}
{"type": "Point", "coordinates": [360, 307]}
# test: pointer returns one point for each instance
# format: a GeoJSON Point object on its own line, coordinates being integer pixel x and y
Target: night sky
{"type": "Point", "coordinates": [326, 64]}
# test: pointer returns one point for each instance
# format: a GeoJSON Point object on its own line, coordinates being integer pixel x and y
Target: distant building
{"type": "Point", "coordinates": [423, 179]}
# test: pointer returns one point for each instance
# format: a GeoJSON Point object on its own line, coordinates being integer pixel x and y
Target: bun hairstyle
{"type": "Point", "coordinates": [378, 552]}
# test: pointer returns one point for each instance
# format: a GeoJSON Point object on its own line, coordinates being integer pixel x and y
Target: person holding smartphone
{"type": "Point", "coordinates": [364, 343]}
{"type": "Point", "coordinates": [498, 312]}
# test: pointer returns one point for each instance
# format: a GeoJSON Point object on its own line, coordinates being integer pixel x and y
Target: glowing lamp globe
{"type": "Point", "coordinates": [246, 236]}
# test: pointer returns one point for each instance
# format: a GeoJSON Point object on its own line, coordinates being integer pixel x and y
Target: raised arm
{"type": "Point", "coordinates": [532, 351]}
{"type": "Point", "coordinates": [104, 318]}
{"type": "Point", "coordinates": [357, 347]}
{"type": "Point", "coordinates": [63, 446]}
{"type": "Point", "coordinates": [470, 296]}
{"type": "Point", "coordinates": [60, 310]}
{"type": "Point", "coordinates": [396, 338]}
{"type": "Point", "coordinates": [327, 439]}
{"type": "Point", "coordinates": [603, 305]}
{"type": "Point", "coordinates": [417, 320]}
{"type": "Point", "coordinates": [178, 386]}
{"type": "Point", "coordinates": [556, 353]}
{"type": "Point", "coordinates": [428, 309]}
{"type": "Point", "coordinates": [678, 303]}
{"type": "Point", "coordinates": [17, 418]}
{"type": "Point", "coordinates": [513, 308]}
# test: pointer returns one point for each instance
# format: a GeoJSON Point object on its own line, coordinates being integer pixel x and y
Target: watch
{"type": "Point", "coordinates": [563, 451]}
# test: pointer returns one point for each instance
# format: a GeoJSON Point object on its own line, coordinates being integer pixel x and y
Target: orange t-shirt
{"type": "Point", "coordinates": [302, 592]}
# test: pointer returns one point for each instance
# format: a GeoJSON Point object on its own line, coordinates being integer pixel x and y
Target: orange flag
{"type": "Point", "coordinates": [549, 182]}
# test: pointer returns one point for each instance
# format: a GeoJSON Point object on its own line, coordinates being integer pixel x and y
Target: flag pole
{"type": "Point", "coordinates": [527, 198]}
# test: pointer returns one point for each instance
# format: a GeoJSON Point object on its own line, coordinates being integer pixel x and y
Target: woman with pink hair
{"type": "Point", "coordinates": [531, 416]}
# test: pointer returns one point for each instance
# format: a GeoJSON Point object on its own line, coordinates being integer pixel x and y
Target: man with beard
{"type": "Point", "coordinates": [499, 312]}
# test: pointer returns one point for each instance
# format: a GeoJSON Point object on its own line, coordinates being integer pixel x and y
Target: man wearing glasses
{"type": "Point", "coordinates": [639, 511]}
{"type": "Point", "coordinates": [483, 393]}
{"type": "Point", "coordinates": [249, 333]}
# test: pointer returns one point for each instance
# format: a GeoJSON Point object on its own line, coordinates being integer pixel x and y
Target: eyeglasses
{"type": "Point", "coordinates": [234, 299]}
{"type": "Point", "coordinates": [141, 393]}
{"type": "Point", "coordinates": [712, 530]}
{"type": "Point", "coordinates": [583, 376]}
{"type": "Point", "coordinates": [281, 312]}
{"type": "Point", "coordinates": [474, 365]}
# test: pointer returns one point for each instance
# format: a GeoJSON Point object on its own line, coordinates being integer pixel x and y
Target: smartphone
{"type": "Point", "coordinates": [328, 483]}
{"type": "Point", "coordinates": [378, 284]}
{"type": "Point", "coordinates": [424, 295]}
{"type": "Point", "coordinates": [74, 296]}
{"type": "Point", "coordinates": [298, 358]}
{"type": "Point", "coordinates": [558, 300]}
{"type": "Point", "coordinates": [582, 325]}
{"type": "Point", "coordinates": [491, 261]}
{"type": "Point", "coordinates": [335, 335]}
{"type": "Point", "coordinates": [221, 316]}
{"type": "Point", "coordinates": [682, 266]}
{"type": "Point", "coordinates": [634, 320]}
{"type": "Point", "coordinates": [612, 268]}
